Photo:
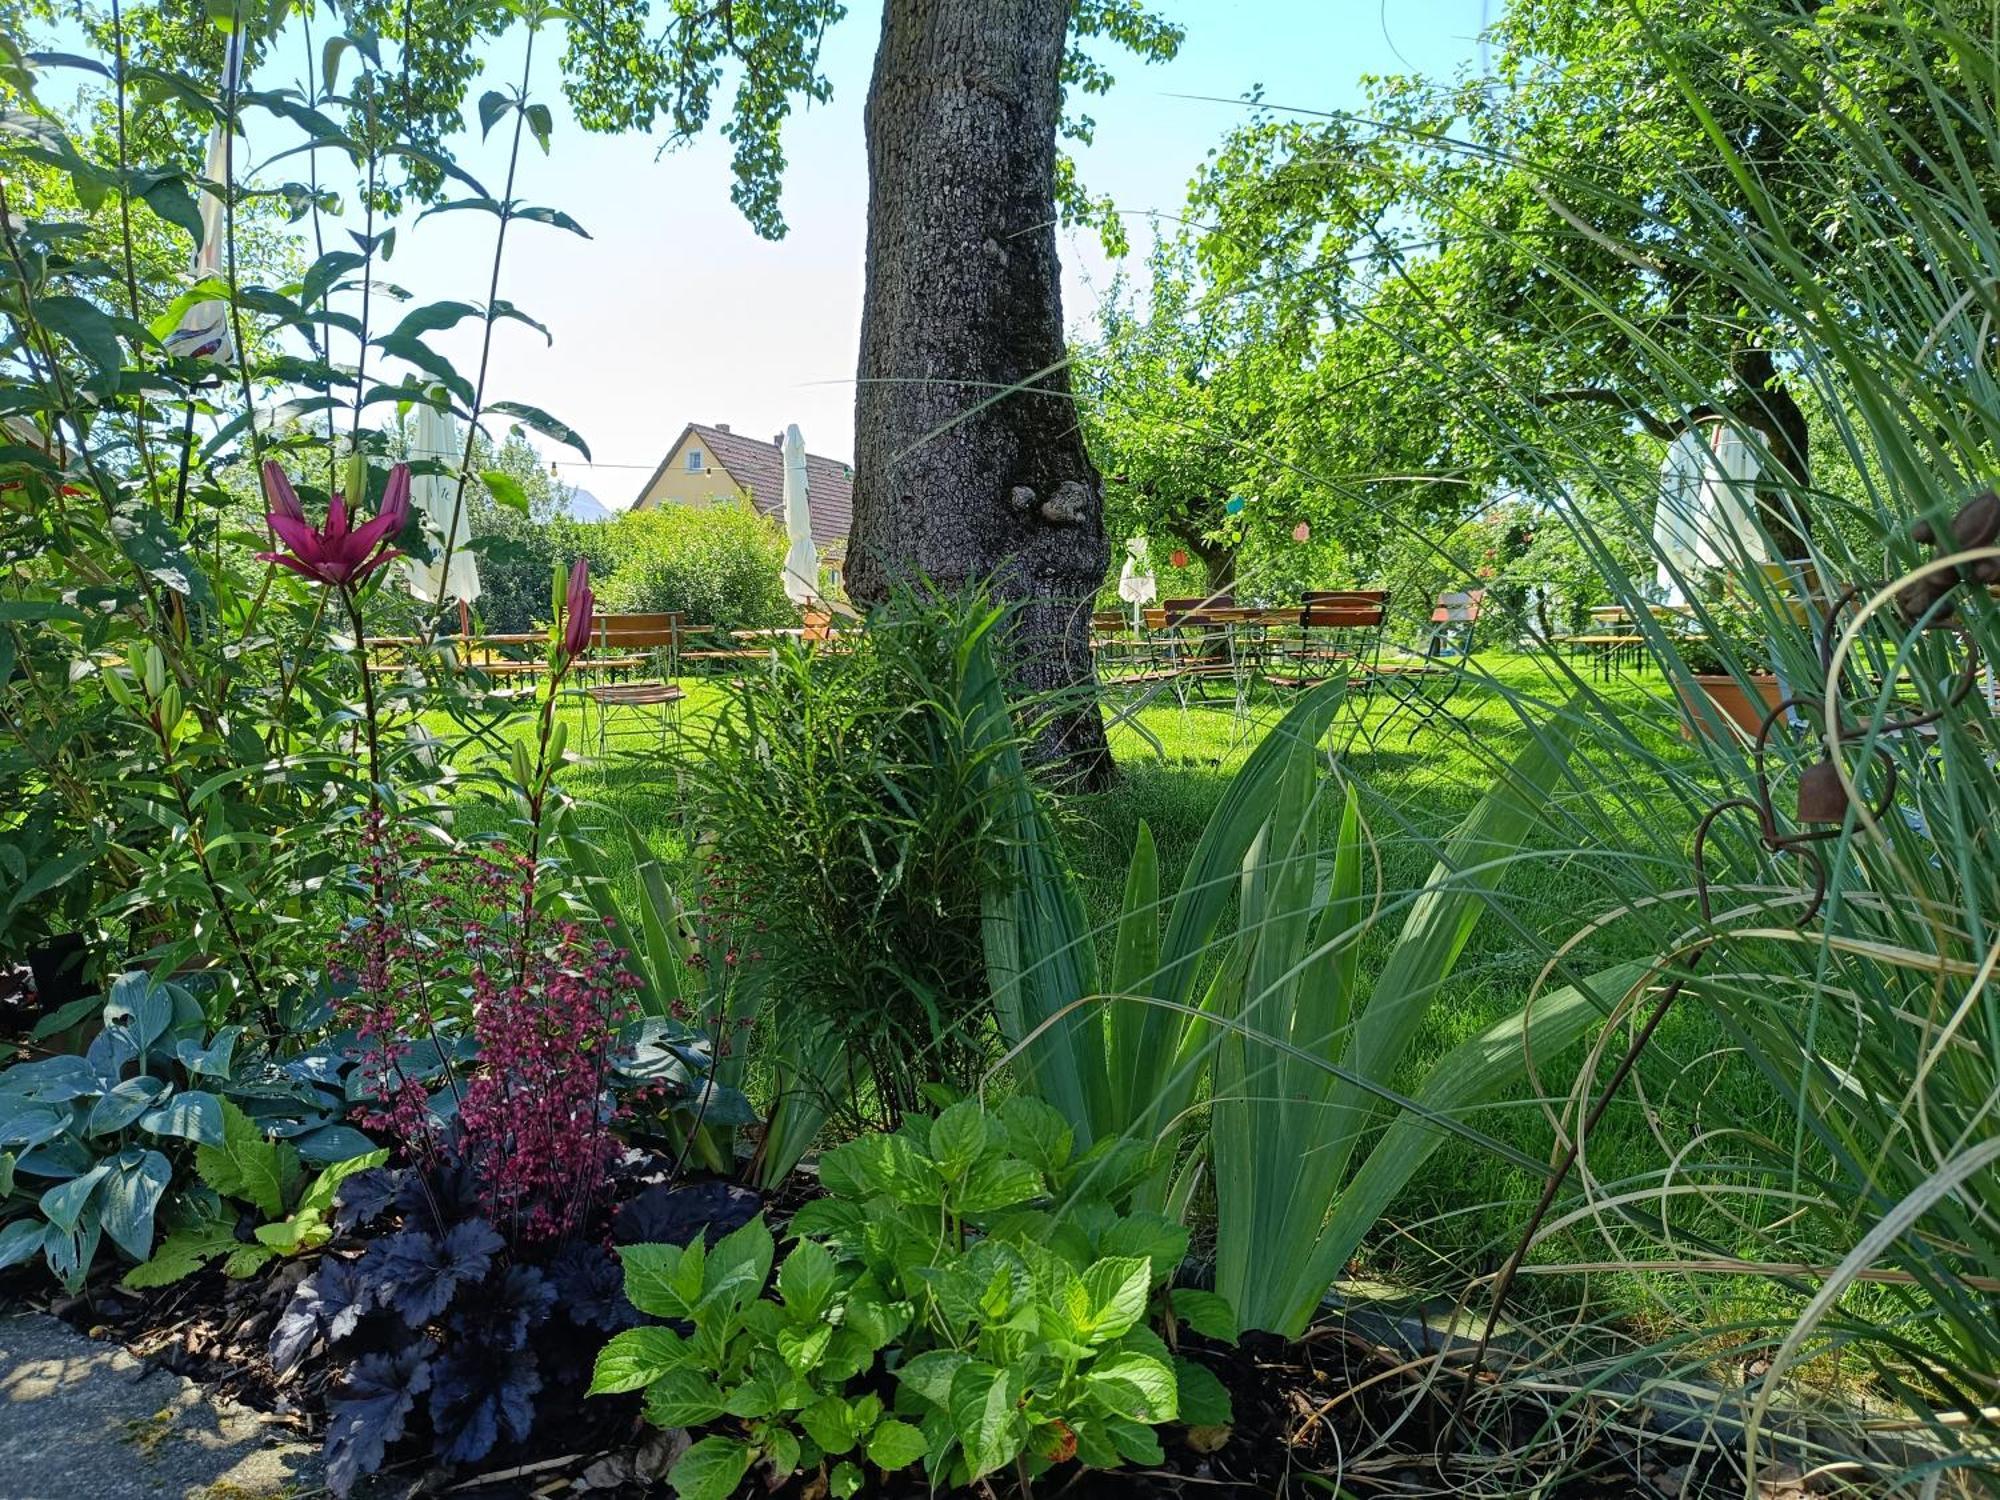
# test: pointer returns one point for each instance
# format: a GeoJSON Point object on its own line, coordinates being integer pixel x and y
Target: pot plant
{"type": "Point", "coordinates": [1729, 662]}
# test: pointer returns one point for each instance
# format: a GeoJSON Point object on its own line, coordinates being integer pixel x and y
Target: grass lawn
{"type": "Point", "coordinates": [1623, 823]}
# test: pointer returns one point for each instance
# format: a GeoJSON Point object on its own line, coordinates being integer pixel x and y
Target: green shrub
{"type": "Point", "coordinates": [849, 808]}
{"type": "Point", "coordinates": [718, 565]}
{"type": "Point", "coordinates": [978, 1256]}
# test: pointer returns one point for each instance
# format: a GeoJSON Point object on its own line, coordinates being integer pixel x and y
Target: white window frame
{"type": "Point", "coordinates": [696, 461]}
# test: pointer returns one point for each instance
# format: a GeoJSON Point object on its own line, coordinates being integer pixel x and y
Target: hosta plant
{"type": "Point", "coordinates": [254, 1205]}
{"type": "Point", "coordinates": [91, 1143]}
{"type": "Point", "coordinates": [968, 1297]}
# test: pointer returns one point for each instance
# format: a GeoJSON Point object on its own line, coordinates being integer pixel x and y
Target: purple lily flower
{"type": "Point", "coordinates": [336, 554]}
{"type": "Point", "coordinates": [579, 608]}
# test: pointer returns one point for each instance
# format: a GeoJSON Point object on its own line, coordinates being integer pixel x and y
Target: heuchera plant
{"type": "Point", "coordinates": [976, 1260]}
{"type": "Point", "coordinates": [458, 967]}
{"type": "Point", "coordinates": [440, 1324]}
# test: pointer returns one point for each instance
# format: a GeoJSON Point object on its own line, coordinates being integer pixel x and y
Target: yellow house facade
{"type": "Point", "coordinates": [709, 464]}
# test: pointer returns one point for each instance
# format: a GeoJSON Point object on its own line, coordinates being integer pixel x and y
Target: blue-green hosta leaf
{"type": "Point", "coordinates": [212, 1061]}
{"type": "Point", "coordinates": [123, 1103]}
{"type": "Point", "coordinates": [51, 1080]}
{"type": "Point", "coordinates": [63, 1204]}
{"type": "Point", "coordinates": [192, 1115]}
{"type": "Point", "coordinates": [69, 1252]}
{"type": "Point", "coordinates": [141, 1006]}
{"type": "Point", "coordinates": [20, 1241]}
{"type": "Point", "coordinates": [25, 1126]}
{"type": "Point", "coordinates": [129, 1197]}
{"type": "Point", "coordinates": [333, 1144]}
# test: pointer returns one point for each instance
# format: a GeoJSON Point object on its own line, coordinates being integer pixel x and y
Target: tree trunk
{"type": "Point", "coordinates": [1218, 561]}
{"type": "Point", "coordinates": [969, 461]}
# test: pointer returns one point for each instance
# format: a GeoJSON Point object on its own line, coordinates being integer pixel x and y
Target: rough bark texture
{"type": "Point", "coordinates": [969, 463]}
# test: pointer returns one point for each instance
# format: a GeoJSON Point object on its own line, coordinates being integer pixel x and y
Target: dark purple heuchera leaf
{"type": "Point", "coordinates": [478, 1395]}
{"type": "Point", "coordinates": [417, 1274]}
{"type": "Point", "coordinates": [367, 1411]}
{"type": "Point", "coordinates": [499, 1318]}
{"type": "Point", "coordinates": [328, 1303]}
{"type": "Point", "coordinates": [590, 1285]}
{"type": "Point", "coordinates": [667, 1215]}
{"type": "Point", "coordinates": [364, 1197]}
{"type": "Point", "coordinates": [436, 1197]}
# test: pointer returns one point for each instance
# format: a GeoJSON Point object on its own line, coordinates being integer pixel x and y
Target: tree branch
{"type": "Point", "coordinates": [1665, 429]}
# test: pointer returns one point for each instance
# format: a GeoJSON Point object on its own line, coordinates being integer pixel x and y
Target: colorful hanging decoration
{"type": "Point", "coordinates": [1302, 532]}
{"type": "Point", "coordinates": [1178, 557]}
{"type": "Point", "coordinates": [1234, 507]}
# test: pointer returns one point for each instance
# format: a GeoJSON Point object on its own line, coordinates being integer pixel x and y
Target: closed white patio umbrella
{"type": "Point", "coordinates": [203, 330]}
{"type": "Point", "coordinates": [801, 556]}
{"type": "Point", "coordinates": [1706, 516]}
{"type": "Point", "coordinates": [435, 496]}
{"type": "Point", "coordinates": [1136, 584]}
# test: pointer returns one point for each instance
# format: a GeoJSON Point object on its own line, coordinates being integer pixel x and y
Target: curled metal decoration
{"type": "Point", "coordinates": [1826, 800]}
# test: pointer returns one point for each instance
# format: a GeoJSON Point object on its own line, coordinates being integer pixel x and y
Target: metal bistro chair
{"type": "Point", "coordinates": [1201, 645]}
{"type": "Point", "coordinates": [1337, 630]}
{"type": "Point", "coordinates": [628, 642]}
{"type": "Point", "coordinates": [1132, 665]}
{"type": "Point", "coordinates": [1424, 681]}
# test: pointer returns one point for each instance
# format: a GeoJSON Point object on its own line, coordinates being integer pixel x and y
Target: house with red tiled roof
{"type": "Point", "coordinates": [711, 465]}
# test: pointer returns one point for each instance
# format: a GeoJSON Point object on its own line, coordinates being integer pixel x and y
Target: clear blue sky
{"type": "Point", "coordinates": [674, 311]}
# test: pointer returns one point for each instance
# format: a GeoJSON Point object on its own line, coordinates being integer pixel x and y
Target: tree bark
{"type": "Point", "coordinates": [1218, 562]}
{"type": "Point", "coordinates": [969, 462]}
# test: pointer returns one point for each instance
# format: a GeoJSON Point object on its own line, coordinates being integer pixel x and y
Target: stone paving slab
{"type": "Point", "coordinates": [81, 1419]}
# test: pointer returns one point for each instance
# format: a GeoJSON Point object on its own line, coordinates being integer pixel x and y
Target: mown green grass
{"type": "Point", "coordinates": [1630, 804]}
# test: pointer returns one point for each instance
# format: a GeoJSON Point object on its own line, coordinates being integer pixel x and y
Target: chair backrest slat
{"type": "Point", "coordinates": [1342, 616]}
{"type": "Point", "coordinates": [640, 631]}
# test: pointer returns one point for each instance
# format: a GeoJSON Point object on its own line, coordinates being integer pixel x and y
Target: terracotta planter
{"type": "Point", "coordinates": [1723, 705]}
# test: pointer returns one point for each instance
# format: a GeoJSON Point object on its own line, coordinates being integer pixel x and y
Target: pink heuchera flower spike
{"type": "Point", "coordinates": [579, 605]}
{"type": "Point", "coordinates": [336, 554]}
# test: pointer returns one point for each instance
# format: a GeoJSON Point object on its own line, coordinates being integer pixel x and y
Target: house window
{"type": "Point", "coordinates": [694, 464]}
